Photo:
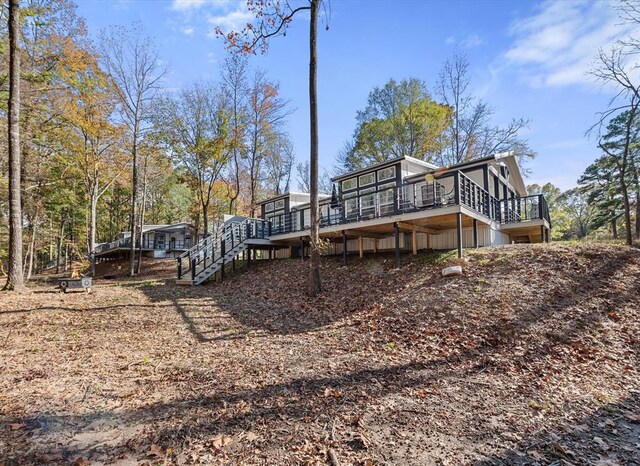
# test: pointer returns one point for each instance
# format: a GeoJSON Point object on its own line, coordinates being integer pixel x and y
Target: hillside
{"type": "Point", "coordinates": [531, 357]}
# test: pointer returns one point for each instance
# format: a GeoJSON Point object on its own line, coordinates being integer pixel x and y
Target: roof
{"type": "Point", "coordinates": [514, 170]}
{"type": "Point", "coordinates": [291, 194]}
{"type": "Point", "coordinates": [171, 226]}
{"type": "Point", "coordinates": [382, 165]}
{"type": "Point", "coordinates": [508, 158]}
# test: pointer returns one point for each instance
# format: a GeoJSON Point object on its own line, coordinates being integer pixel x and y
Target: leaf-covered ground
{"type": "Point", "coordinates": [531, 357]}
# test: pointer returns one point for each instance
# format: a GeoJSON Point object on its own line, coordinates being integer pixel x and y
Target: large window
{"type": "Point", "coordinates": [351, 207]}
{"type": "Point", "coordinates": [386, 174]}
{"type": "Point", "coordinates": [386, 196]}
{"type": "Point", "coordinates": [367, 202]}
{"type": "Point", "coordinates": [367, 179]}
{"type": "Point", "coordinates": [351, 183]}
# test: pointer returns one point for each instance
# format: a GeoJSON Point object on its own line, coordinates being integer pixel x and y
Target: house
{"type": "Point", "coordinates": [402, 204]}
{"type": "Point", "coordinates": [158, 241]}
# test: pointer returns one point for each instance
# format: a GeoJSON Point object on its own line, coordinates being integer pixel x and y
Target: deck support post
{"type": "Point", "coordinates": [344, 247]}
{"type": "Point", "coordinates": [233, 264]}
{"type": "Point", "coordinates": [270, 253]}
{"type": "Point", "coordinates": [375, 246]}
{"type": "Point", "coordinates": [396, 230]}
{"type": "Point", "coordinates": [360, 246]}
{"type": "Point", "coordinates": [475, 233]}
{"type": "Point", "coordinates": [302, 248]}
{"type": "Point", "coordinates": [248, 256]}
{"type": "Point", "coordinates": [414, 241]}
{"type": "Point", "coordinates": [542, 233]}
{"type": "Point", "coordinates": [459, 233]}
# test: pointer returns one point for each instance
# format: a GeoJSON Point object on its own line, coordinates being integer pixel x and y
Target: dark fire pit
{"type": "Point", "coordinates": [81, 283]}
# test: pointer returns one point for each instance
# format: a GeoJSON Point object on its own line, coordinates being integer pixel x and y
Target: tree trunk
{"type": "Point", "coordinates": [638, 214]}
{"type": "Point", "coordinates": [134, 200]}
{"type": "Point", "coordinates": [314, 262]}
{"type": "Point", "coordinates": [32, 247]}
{"type": "Point", "coordinates": [614, 227]}
{"type": "Point", "coordinates": [627, 211]}
{"type": "Point", "coordinates": [15, 279]}
{"type": "Point", "coordinates": [93, 214]}
{"type": "Point", "coordinates": [142, 211]}
{"type": "Point", "coordinates": [60, 240]}
{"type": "Point", "coordinates": [205, 220]}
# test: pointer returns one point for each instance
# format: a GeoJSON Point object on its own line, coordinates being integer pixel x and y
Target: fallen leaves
{"type": "Point", "coordinates": [529, 357]}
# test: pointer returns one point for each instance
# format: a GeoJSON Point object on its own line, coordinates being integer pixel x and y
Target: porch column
{"type": "Point", "coordinates": [459, 233]}
{"type": "Point", "coordinates": [475, 233]}
{"type": "Point", "coordinates": [414, 241]}
{"type": "Point", "coordinates": [396, 230]}
{"type": "Point", "coordinates": [360, 246]}
{"type": "Point", "coordinates": [344, 247]}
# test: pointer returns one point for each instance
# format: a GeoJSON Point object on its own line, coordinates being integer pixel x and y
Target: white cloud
{"type": "Point", "coordinates": [473, 40]}
{"type": "Point", "coordinates": [188, 30]}
{"type": "Point", "coordinates": [470, 41]}
{"type": "Point", "coordinates": [190, 5]}
{"type": "Point", "coordinates": [233, 20]}
{"type": "Point", "coordinates": [184, 5]}
{"type": "Point", "coordinates": [557, 45]}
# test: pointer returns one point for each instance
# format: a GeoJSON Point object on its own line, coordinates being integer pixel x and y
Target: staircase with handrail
{"type": "Point", "coordinates": [211, 253]}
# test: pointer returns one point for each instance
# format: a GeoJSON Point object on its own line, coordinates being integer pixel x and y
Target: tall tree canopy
{"type": "Point", "coordinates": [400, 119]}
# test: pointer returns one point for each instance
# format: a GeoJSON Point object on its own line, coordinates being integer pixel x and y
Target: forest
{"type": "Point", "coordinates": [106, 147]}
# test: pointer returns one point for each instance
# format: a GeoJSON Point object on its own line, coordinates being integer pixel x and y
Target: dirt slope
{"type": "Point", "coordinates": [531, 357]}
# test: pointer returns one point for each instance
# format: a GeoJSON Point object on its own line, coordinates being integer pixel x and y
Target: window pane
{"type": "Point", "coordinates": [386, 174]}
{"type": "Point", "coordinates": [280, 204]}
{"type": "Point", "coordinates": [269, 207]}
{"type": "Point", "coordinates": [369, 178]}
{"type": "Point", "coordinates": [349, 184]}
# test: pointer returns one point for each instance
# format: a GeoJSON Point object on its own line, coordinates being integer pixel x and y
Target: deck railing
{"type": "Point", "coordinates": [524, 209]}
{"type": "Point", "coordinates": [214, 247]}
{"type": "Point", "coordinates": [450, 189]}
{"type": "Point", "coordinates": [454, 188]}
{"type": "Point", "coordinates": [147, 244]}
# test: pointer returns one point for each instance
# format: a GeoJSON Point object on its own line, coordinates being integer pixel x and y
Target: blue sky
{"type": "Point", "coordinates": [528, 59]}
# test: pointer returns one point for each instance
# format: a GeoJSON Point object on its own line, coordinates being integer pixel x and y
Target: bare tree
{"type": "Point", "coordinates": [279, 164]}
{"type": "Point", "coordinates": [234, 81]}
{"type": "Point", "coordinates": [617, 68]}
{"type": "Point", "coordinates": [471, 134]}
{"type": "Point", "coordinates": [267, 112]}
{"type": "Point", "coordinates": [15, 279]}
{"type": "Point", "coordinates": [132, 60]}
{"type": "Point", "coordinates": [325, 186]}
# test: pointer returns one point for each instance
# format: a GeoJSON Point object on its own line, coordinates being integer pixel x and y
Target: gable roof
{"type": "Point", "coordinates": [384, 164]}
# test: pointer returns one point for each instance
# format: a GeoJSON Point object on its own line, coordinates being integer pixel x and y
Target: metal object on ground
{"type": "Point", "coordinates": [82, 283]}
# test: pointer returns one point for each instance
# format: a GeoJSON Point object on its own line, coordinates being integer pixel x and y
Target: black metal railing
{"type": "Point", "coordinates": [213, 248]}
{"type": "Point", "coordinates": [524, 209]}
{"type": "Point", "coordinates": [453, 188]}
{"type": "Point", "coordinates": [148, 243]}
